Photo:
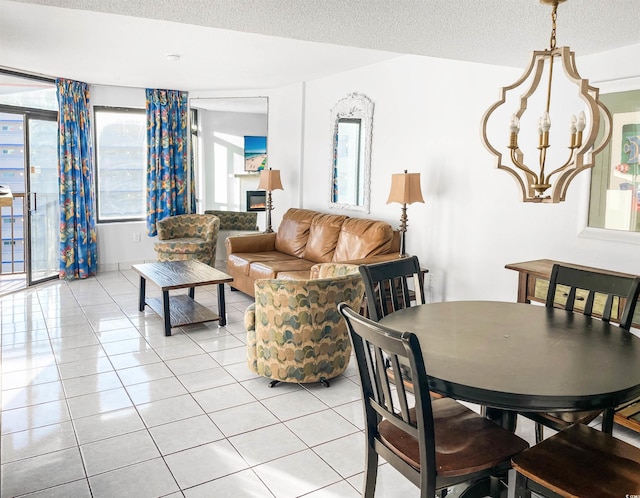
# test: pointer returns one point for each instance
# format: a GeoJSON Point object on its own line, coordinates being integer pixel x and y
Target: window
{"type": "Point", "coordinates": [29, 92]}
{"type": "Point", "coordinates": [121, 163]}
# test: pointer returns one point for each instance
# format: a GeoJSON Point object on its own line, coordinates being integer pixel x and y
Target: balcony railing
{"type": "Point", "coordinates": [12, 232]}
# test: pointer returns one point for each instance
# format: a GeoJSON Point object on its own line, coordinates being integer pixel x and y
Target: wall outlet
{"type": "Point", "coordinates": [136, 237]}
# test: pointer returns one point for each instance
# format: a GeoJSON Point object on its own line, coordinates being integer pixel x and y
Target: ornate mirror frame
{"type": "Point", "coordinates": [355, 108]}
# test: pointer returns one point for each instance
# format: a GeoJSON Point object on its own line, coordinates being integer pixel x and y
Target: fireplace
{"type": "Point", "coordinates": [256, 200]}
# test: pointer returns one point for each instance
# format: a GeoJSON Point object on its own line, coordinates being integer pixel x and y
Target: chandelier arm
{"type": "Point", "coordinates": [521, 166]}
{"type": "Point", "coordinates": [564, 166]}
{"type": "Point", "coordinates": [543, 162]}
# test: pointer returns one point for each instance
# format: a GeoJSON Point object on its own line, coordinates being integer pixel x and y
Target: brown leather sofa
{"type": "Point", "coordinates": [305, 238]}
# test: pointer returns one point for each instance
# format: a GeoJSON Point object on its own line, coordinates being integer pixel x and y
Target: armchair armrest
{"type": "Point", "coordinates": [328, 270]}
{"type": "Point", "coordinates": [251, 243]}
{"type": "Point", "coordinates": [165, 229]}
{"type": "Point", "coordinates": [211, 228]}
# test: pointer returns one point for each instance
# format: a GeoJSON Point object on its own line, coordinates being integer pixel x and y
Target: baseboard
{"type": "Point", "coordinates": [120, 266]}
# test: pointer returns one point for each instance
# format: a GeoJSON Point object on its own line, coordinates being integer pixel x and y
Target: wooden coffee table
{"type": "Point", "coordinates": [182, 309]}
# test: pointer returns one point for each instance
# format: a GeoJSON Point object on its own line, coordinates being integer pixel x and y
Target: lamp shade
{"type": "Point", "coordinates": [270, 180]}
{"type": "Point", "coordinates": [405, 188]}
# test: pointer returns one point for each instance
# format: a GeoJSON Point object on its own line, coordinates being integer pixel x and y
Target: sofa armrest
{"type": "Point", "coordinates": [251, 243]}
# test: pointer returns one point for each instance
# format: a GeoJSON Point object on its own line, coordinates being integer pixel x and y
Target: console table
{"type": "Point", "coordinates": [533, 283]}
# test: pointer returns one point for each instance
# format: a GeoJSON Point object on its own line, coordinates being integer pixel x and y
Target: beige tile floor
{"type": "Point", "coordinates": [97, 402]}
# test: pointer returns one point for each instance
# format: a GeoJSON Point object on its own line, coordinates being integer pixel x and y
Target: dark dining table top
{"type": "Point", "coordinates": [523, 357]}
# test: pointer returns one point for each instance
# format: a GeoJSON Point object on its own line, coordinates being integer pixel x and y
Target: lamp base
{"type": "Point", "coordinates": [269, 207]}
{"type": "Point", "coordinates": [403, 253]}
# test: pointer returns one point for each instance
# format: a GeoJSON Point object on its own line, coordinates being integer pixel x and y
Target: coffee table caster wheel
{"type": "Point", "coordinates": [324, 382]}
{"type": "Point", "coordinates": [273, 383]}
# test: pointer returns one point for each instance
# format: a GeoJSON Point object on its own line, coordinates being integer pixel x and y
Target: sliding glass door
{"type": "Point", "coordinates": [43, 206]}
{"type": "Point", "coordinates": [29, 167]}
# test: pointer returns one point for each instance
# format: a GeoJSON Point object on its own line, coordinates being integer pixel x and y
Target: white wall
{"type": "Point", "coordinates": [427, 119]}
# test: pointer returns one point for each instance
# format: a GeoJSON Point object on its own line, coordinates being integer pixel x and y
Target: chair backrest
{"type": "Point", "coordinates": [386, 285]}
{"type": "Point", "coordinates": [204, 226]}
{"type": "Point", "coordinates": [378, 350]}
{"type": "Point", "coordinates": [598, 287]}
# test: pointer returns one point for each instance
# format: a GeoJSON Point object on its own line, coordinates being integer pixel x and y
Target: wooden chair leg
{"type": "Point", "coordinates": [370, 473]}
{"type": "Point", "coordinates": [539, 432]}
{"type": "Point", "coordinates": [607, 421]}
{"type": "Point", "coordinates": [495, 487]}
{"type": "Point", "coordinates": [521, 490]}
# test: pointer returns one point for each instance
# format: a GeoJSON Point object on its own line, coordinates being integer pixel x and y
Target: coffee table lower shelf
{"type": "Point", "coordinates": [183, 310]}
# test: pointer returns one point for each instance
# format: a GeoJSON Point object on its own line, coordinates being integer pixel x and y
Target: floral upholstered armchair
{"type": "Point", "coordinates": [188, 236]}
{"type": "Point", "coordinates": [294, 330]}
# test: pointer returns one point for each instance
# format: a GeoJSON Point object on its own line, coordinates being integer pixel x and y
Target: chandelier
{"type": "Point", "coordinates": [586, 132]}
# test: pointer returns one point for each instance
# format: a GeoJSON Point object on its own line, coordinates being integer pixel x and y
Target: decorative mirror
{"type": "Point", "coordinates": [351, 132]}
{"type": "Point", "coordinates": [225, 166]}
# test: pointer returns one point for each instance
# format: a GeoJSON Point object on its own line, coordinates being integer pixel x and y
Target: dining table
{"type": "Point", "coordinates": [515, 357]}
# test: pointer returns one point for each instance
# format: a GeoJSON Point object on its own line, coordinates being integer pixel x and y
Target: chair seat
{"type": "Point", "coordinates": [628, 415]}
{"type": "Point", "coordinates": [581, 461]}
{"type": "Point", "coordinates": [561, 420]}
{"type": "Point", "coordinates": [465, 441]}
{"type": "Point", "coordinates": [188, 245]}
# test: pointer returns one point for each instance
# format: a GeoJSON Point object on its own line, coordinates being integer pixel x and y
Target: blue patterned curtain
{"type": "Point", "coordinates": [169, 178]}
{"type": "Point", "coordinates": [78, 247]}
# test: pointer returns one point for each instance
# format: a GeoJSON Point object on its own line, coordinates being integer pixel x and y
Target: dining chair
{"type": "Point", "coordinates": [386, 285]}
{"type": "Point", "coordinates": [578, 461]}
{"type": "Point", "coordinates": [593, 294]}
{"type": "Point", "coordinates": [435, 444]}
{"type": "Point", "coordinates": [387, 290]}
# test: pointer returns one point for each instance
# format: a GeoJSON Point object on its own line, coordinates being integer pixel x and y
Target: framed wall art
{"type": "Point", "coordinates": [255, 153]}
{"type": "Point", "coordinates": [615, 181]}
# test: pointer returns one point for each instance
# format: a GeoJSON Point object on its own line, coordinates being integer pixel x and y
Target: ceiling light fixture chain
{"type": "Point", "coordinates": [554, 17]}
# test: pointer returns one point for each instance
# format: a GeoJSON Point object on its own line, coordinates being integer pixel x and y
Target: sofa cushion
{"type": "Point", "coordinates": [293, 231]}
{"type": "Point", "coordinates": [361, 238]}
{"type": "Point", "coordinates": [241, 262]}
{"type": "Point", "coordinates": [323, 237]}
{"type": "Point", "coordinates": [294, 275]}
{"type": "Point", "coordinates": [271, 269]}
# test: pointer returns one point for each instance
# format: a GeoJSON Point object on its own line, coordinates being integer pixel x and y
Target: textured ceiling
{"type": "Point", "coordinates": [284, 41]}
